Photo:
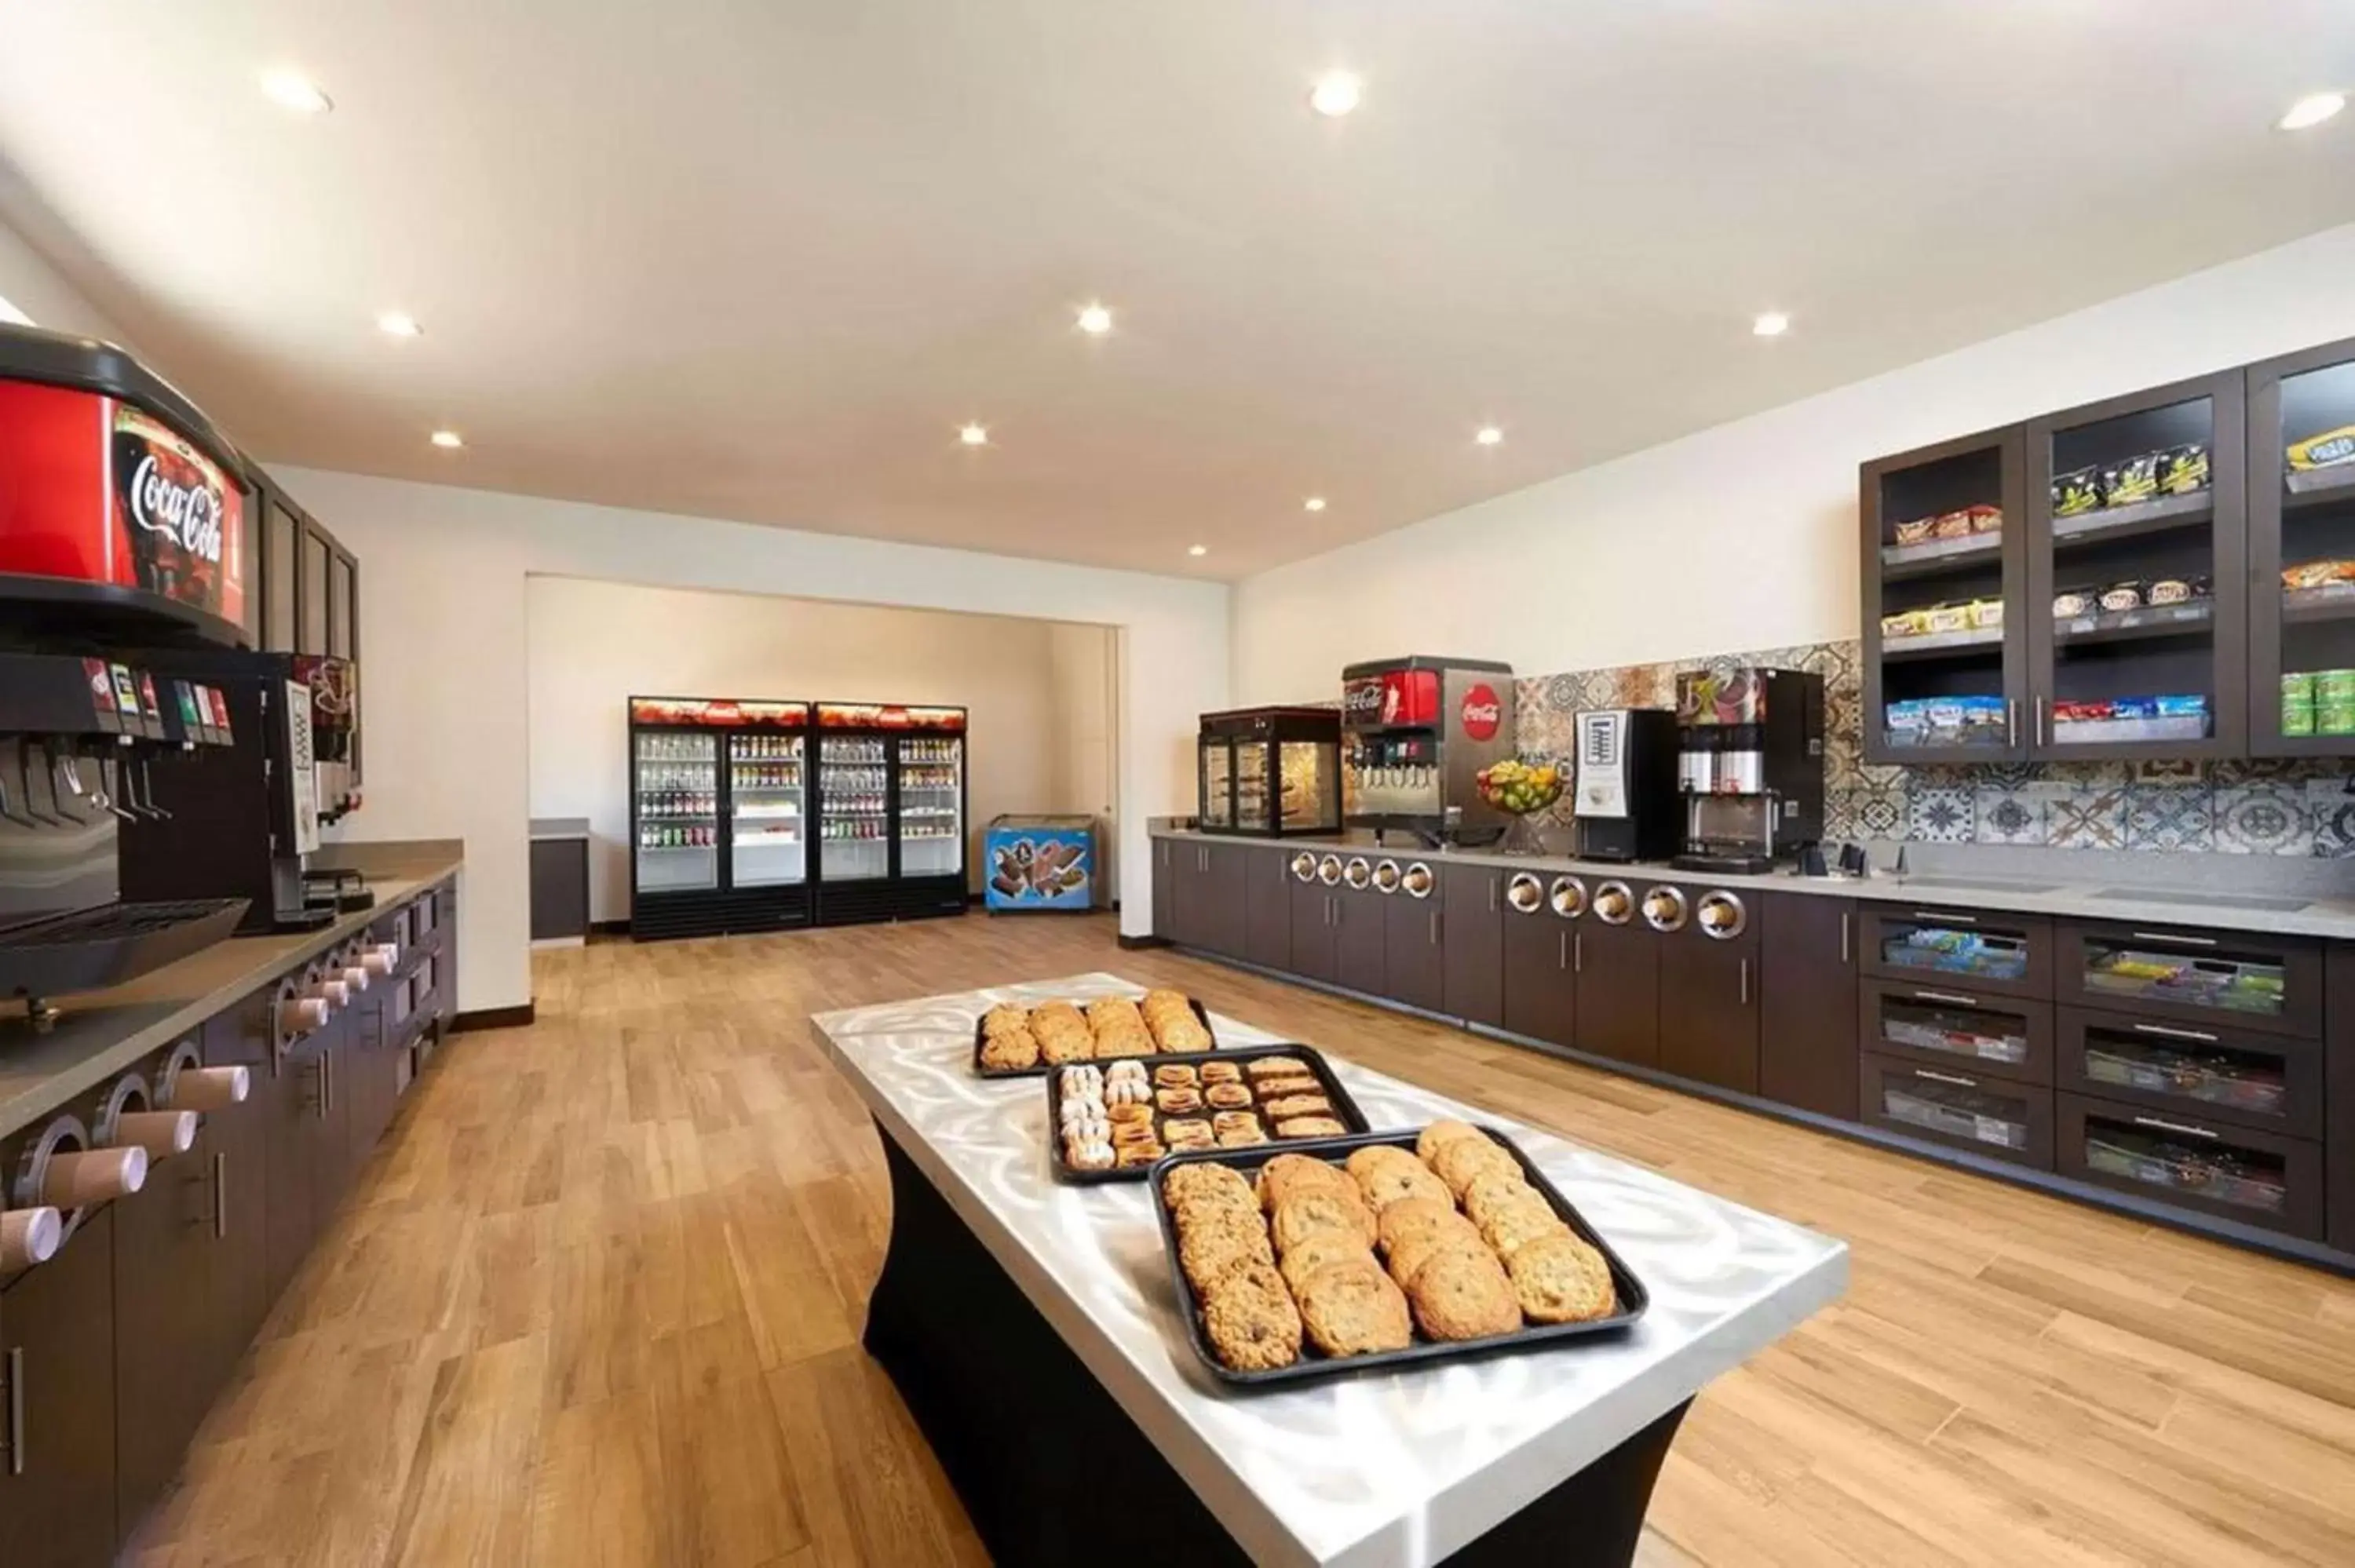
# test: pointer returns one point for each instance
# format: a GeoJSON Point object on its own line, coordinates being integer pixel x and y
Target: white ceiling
{"type": "Point", "coordinates": [758, 260]}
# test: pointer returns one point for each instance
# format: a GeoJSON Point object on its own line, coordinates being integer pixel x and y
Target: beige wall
{"type": "Point", "coordinates": [1744, 536]}
{"type": "Point", "coordinates": [591, 645]}
{"type": "Point", "coordinates": [1082, 672]}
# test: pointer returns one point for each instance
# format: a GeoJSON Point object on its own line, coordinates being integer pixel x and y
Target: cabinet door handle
{"type": "Point", "coordinates": [1846, 917]}
{"type": "Point", "coordinates": [1945, 1078]}
{"type": "Point", "coordinates": [221, 1196]}
{"type": "Point", "coordinates": [1492, 895]}
{"type": "Point", "coordinates": [2011, 722]}
{"type": "Point", "coordinates": [1948, 919]}
{"type": "Point", "coordinates": [2202, 1035]}
{"type": "Point", "coordinates": [1434, 927]}
{"type": "Point", "coordinates": [15, 1363]}
{"type": "Point", "coordinates": [1946, 998]}
{"type": "Point", "coordinates": [1561, 959]}
{"type": "Point", "coordinates": [2164, 1125]}
{"type": "Point", "coordinates": [1745, 982]}
{"type": "Point", "coordinates": [1578, 952]}
{"type": "Point", "coordinates": [2176, 937]}
{"type": "Point", "coordinates": [2040, 721]}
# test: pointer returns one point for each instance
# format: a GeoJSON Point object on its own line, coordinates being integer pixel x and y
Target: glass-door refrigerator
{"type": "Point", "coordinates": [890, 803]}
{"type": "Point", "coordinates": [718, 838]}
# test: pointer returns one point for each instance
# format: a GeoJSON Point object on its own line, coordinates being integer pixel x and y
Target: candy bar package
{"type": "Point", "coordinates": [1986, 614]}
{"type": "Point", "coordinates": [2176, 590]}
{"type": "Point", "coordinates": [2071, 603]}
{"type": "Point", "coordinates": [2327, 449]}
{"type": "Point", "coordinates": [2076, 493]}
{"type": "Point", "coordinates": [2184, 471]}
{"type": "Point", "coordinates": [1949, 617]}
{"type": "Point", "coordinates": [2318, 574]}
{"type": "Point", "coordinates": [2121, 597]}
{"type": "Point", "coordinates": [2136, 479]}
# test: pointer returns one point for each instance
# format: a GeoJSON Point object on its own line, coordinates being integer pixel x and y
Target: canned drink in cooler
{"type": "Point", "coordinates": [2334, 686]}
{"type": "Point", "coordinates": [2334, 718]}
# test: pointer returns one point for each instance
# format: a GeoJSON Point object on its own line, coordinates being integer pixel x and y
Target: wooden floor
{"type": "Point", "coordinates": [597, 1300]}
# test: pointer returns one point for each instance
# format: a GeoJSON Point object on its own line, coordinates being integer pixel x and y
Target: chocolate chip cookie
{"type": "Point", "coordinates": [1385, 1175]}
{"type": "Point", "coordinates": [1352, 1309]}
{"type": "Point", "coordinates": [1250, 1321]}
{"type": "Point", "coordinates": [1514, 1223]}
{"type": "Point", "coordinates": [1307, 1213]}
{"type": "Point", "coordinates": [1463, 1295]}
{"type": "Point", "coordinates": [1560, 1279]}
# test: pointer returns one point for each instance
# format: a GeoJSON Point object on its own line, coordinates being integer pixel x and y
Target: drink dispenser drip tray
{"type": "Point", "coordinates": [91, 949]}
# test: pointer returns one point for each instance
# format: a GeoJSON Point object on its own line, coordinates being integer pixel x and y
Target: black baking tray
{"type": "Point", "coordinates": [1082, 1003]}
{"type": "Point", "coordinates": [1633, 1299]}
{"type": "Point", "coordinates": [1344, 1110]}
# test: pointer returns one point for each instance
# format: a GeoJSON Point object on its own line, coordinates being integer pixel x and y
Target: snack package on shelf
{"type": "Point", "coordinates": [2072, 603]}
{"type": "Point", "coordinates": [2307, 576]}
{"type": "Point", "coordinates": [1986, 614]}
{"type": "Point", "coordinates": [2329, 449]}
{"type": "Point", "coordinates": [2076, 493]}
{"type": "Point", "coordinates": [2184, 469]}
{"type": "Point", "coordinates": [2120, 597]}
{"type": "Point", "coordinates": [2136, 479]}
{"type": "Point", "coordinates": [1985, 519]}
{"type": "Point", "coordinates": [2164, 592]}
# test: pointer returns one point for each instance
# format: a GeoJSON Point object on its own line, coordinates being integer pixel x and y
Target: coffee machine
{"type": "Point", "coordinates": [1415, 733]}
{"type": "Point", "coordinates": [1751, 766]}
{"type": "Point", "coordinates": [245, 820]}
{"type": "Point", "coordinates": [1624, 800]}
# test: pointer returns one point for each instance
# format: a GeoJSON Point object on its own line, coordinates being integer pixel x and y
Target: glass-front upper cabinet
{"type": "Point", "coordinates": [2138, 562]}
{"type": "Point", "coordinates": [2302, 554]}
{"type": "Point", "coordinates": [1945, 660]}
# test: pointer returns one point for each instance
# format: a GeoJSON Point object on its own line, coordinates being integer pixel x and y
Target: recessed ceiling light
{"type": "Point", "coordinates": [1199, 550]}
{"type": "Point", "coordinates": [449, 441]}
{"type": "Point", "coordinates": [1489, 436]}
{"type": "Point", "coordinates": [398, 323]}
{"type": "Point", "coordinates": [1336, 93]}
{"type": "Point", "coordinates": [293, 90]}
{"type": "Point", "coordinates": [2312, 109]}
{"type": "Point", "coordinates": [1771, 323]}
{"type": "Point", "coordinates": [973, 435]}
{"type": "Point", "coordinates": [1096, 320]}
{"type": "Point", "coordinates": [1315, 503]}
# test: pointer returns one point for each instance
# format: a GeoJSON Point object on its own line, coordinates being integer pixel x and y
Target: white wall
{"type": "Point", "coordinates": [590, 646]}
{"type": "Point", "coordinates": [446, 651]}
{"type": "Point", "coordinates": [41, 293]}
{"type": "Point", "coordinates": [1744, 536]}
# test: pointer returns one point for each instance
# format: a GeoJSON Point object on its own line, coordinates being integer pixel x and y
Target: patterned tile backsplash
{"type": "Point", "coordinates": [2234, 808]}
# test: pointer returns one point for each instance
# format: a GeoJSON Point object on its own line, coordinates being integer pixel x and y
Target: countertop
{"type": "Point", "coordinates": [2189, 904]}
{"type": "Point", "coordinates": [1383, 1468]}
{"type": "Point", "coordinates": [543, 828]}
{"type": "Point", "coordinates": [101, 1034]}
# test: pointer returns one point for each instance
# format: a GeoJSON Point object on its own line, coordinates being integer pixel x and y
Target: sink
{"type": "Point", "coordinates": [2220, 900]}
{"type": "Point", "coordinates": [1966, 885]}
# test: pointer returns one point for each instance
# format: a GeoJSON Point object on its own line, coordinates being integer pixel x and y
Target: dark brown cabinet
{"type": "Point", "coordinates": [1414, 944]}
{"type": "Point", "coordinates": [2338, 1081]}
{"type": "Point", "coordinates": [1992, 954]}
{"type": "Point", "coordinates": [238, 1140]}
{"type": "Point", "coordinates": [2213, 1073]}
{"type": "Point", "coordinates": [165, 1347]}
{"type": "Point", "coordinates": [2194, 1162]}
{"type": "Point", "coordinates": [1618, 975]}
{"type": "Point", "coordinates": [1165, 853]}
{"type": "Point", "coordinates": [2244, 979]}
{"type": "Point", "coordinates": [1316, 952]}
{"type": "Point", "coordinates": [1541, 987]}
{"type": "Point", "coordinates": [310, 1154]}
{"type": "Point", "coordinates": [1943, 1026]}
{"type": "Point", "coordinates": [2301, 512]}
{"type": "Point", "coordinates": [1208, 889]}
{"type": "Point", "coordinates": [1709, 1007]}
{"type": "Point", "coordinates": [1807, 1028]}
{"type": "Point", "coordinates": [57, 1355]}
{"type": "Point", "coordinates": [1362, 961]}
{"type": "Point", "coordinates": [1471, 926]}
{"type": "Point", "coordinates": [2000, 1119]}
{"type": "Point", "coordinates": [1267, 909]}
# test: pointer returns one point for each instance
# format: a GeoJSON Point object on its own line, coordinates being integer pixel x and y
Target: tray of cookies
{"type": "Point", "coordinates": [1113, 1120]}
{"type": "Point", "coordinates": [1350, 1254]}
{"type": "Point", "coordinates": [1011, 1041]}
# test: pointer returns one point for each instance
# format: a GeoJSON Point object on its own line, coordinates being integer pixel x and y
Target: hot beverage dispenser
{"type": "Point", "coordinates": [1751, 766]}
{"type": "Point", "coordinates": [1625, 800]}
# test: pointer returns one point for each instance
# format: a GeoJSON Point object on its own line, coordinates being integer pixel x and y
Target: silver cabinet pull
{"type": "Point", "coordinates": [2040, 721]}
{"type": "Point", "coordinates": [1578, 952]}
{"type": "Point", "coordinates": [2164, 1125]}
{"type": "Point", "coordinates": [2170, 1033]}
{"type": "Point", "coordinates": [16, 1365]}
{"type": "Point", "coordinates": [1745, 982]}
{"type": "Point", "coordinates": [1945, 1078]}
{"type": "Point", "coordinates": [1434, 927]}
{"type": "Point", "coordinates": [2176, 937]}
{"type": "Point", "coordinates": [2011, 722]}
{"type": "Point", "coordinates": [221, 1196]}
{"type": "Point", "coordinates": [1846, 917]}
{"type": "Point", "coordinates": [1946, 998]}
{"type": "Point", "coordinates": [1562, 957]}
{"type": "Point", "coordinates": [1492, 895]}
{"type": "Point", "coordinates": [1946, 919]}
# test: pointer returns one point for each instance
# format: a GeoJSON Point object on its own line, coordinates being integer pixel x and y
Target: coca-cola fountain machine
{"type": "Point", "coordinates": [124, 549]}
{"type": "Point", "coordinates": [1414, 734]}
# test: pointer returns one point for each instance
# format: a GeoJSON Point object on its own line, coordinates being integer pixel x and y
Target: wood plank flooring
{"type": "Point", "coordinates": [597, 1300]}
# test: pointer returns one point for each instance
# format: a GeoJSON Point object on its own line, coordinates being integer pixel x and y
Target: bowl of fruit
{"type": "Point", "coordinates": [1522, 790]}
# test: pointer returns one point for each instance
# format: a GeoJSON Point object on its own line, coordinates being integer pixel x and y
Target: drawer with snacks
{"type": "Point", "coordinates": [1383, 1250]}
{"type": "Point", "coordinates": [1113, 1119]}
{"type": "Point", "coordinates": [1011, 1041]}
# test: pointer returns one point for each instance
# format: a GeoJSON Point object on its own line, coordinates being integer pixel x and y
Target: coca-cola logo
{"type": "Point", "coordinates": [1482, 712]}
{"type": "Point", "coordinates": [1361, 699]}
{"type": "Point", "coordinates": [187, 515]}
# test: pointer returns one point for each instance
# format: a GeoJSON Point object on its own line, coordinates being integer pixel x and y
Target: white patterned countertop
{"type": "Point", "coordinates": [1380, 1469]}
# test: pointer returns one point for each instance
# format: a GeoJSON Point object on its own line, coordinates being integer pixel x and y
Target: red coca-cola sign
{"type": "Point", "coordinates": [1482, 712]}
{"type": "Point", "coordinates": [98, 490]}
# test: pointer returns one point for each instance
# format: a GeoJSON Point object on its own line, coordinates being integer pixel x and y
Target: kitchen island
{"type": "Point", "coordinates": [1032, 1328]}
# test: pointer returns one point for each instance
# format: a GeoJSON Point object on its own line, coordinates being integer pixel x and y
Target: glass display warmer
{"type": "Point", "coordinates": [1271, 771]}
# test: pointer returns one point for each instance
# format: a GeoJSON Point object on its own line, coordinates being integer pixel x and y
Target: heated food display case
{"type": "Point", "coordinates": [890, 798]}
{"type": "Point", "coordinates": [719, 816]}
{"type": "Point", "coordinates": [1271, 771]}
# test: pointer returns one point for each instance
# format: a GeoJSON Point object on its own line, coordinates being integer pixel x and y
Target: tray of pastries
{"type": "Point", "coordinates": [1323, 1260]}
{"type": "Point", "coordinates": [1113, 1120]}
{"type": "Point", "coordinates": [1011, 1041]}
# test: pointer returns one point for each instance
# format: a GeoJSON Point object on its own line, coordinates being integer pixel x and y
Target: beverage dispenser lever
{"type": "Point", "coordinates": [109, 793]}
{"type": "Point", "coordinates": [65, 779]}
{"type": "Point", "coordinates": [25, 783]}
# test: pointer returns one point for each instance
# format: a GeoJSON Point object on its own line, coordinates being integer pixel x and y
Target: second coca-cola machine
{"type": "Point", "coordinates": [890, 798]}
{"type": "Point", "coordinates": [720, 816]}
{"type": "Point", "coordinates": [1414, 734]}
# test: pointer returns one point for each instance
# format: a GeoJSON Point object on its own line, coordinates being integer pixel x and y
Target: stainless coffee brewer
{"type": "Point", "coordinates": [1750, 765]}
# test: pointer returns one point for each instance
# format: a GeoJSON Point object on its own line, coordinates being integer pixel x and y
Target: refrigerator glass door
{"type": "Point", "coordinates": [855, 817]}
{"type": "Point", "coordinates": [767, 825]}
{"type": "Point", "coordinates": [931, 806]}
{"type": "Point", "coordinates": [1310, 771]}
{"type": "Point", "coordinates": [675, 776]}
{"type": "Point", "coordinates": [1218, 791]}
{"type": "Point", "coordinates": [1251, 785]}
